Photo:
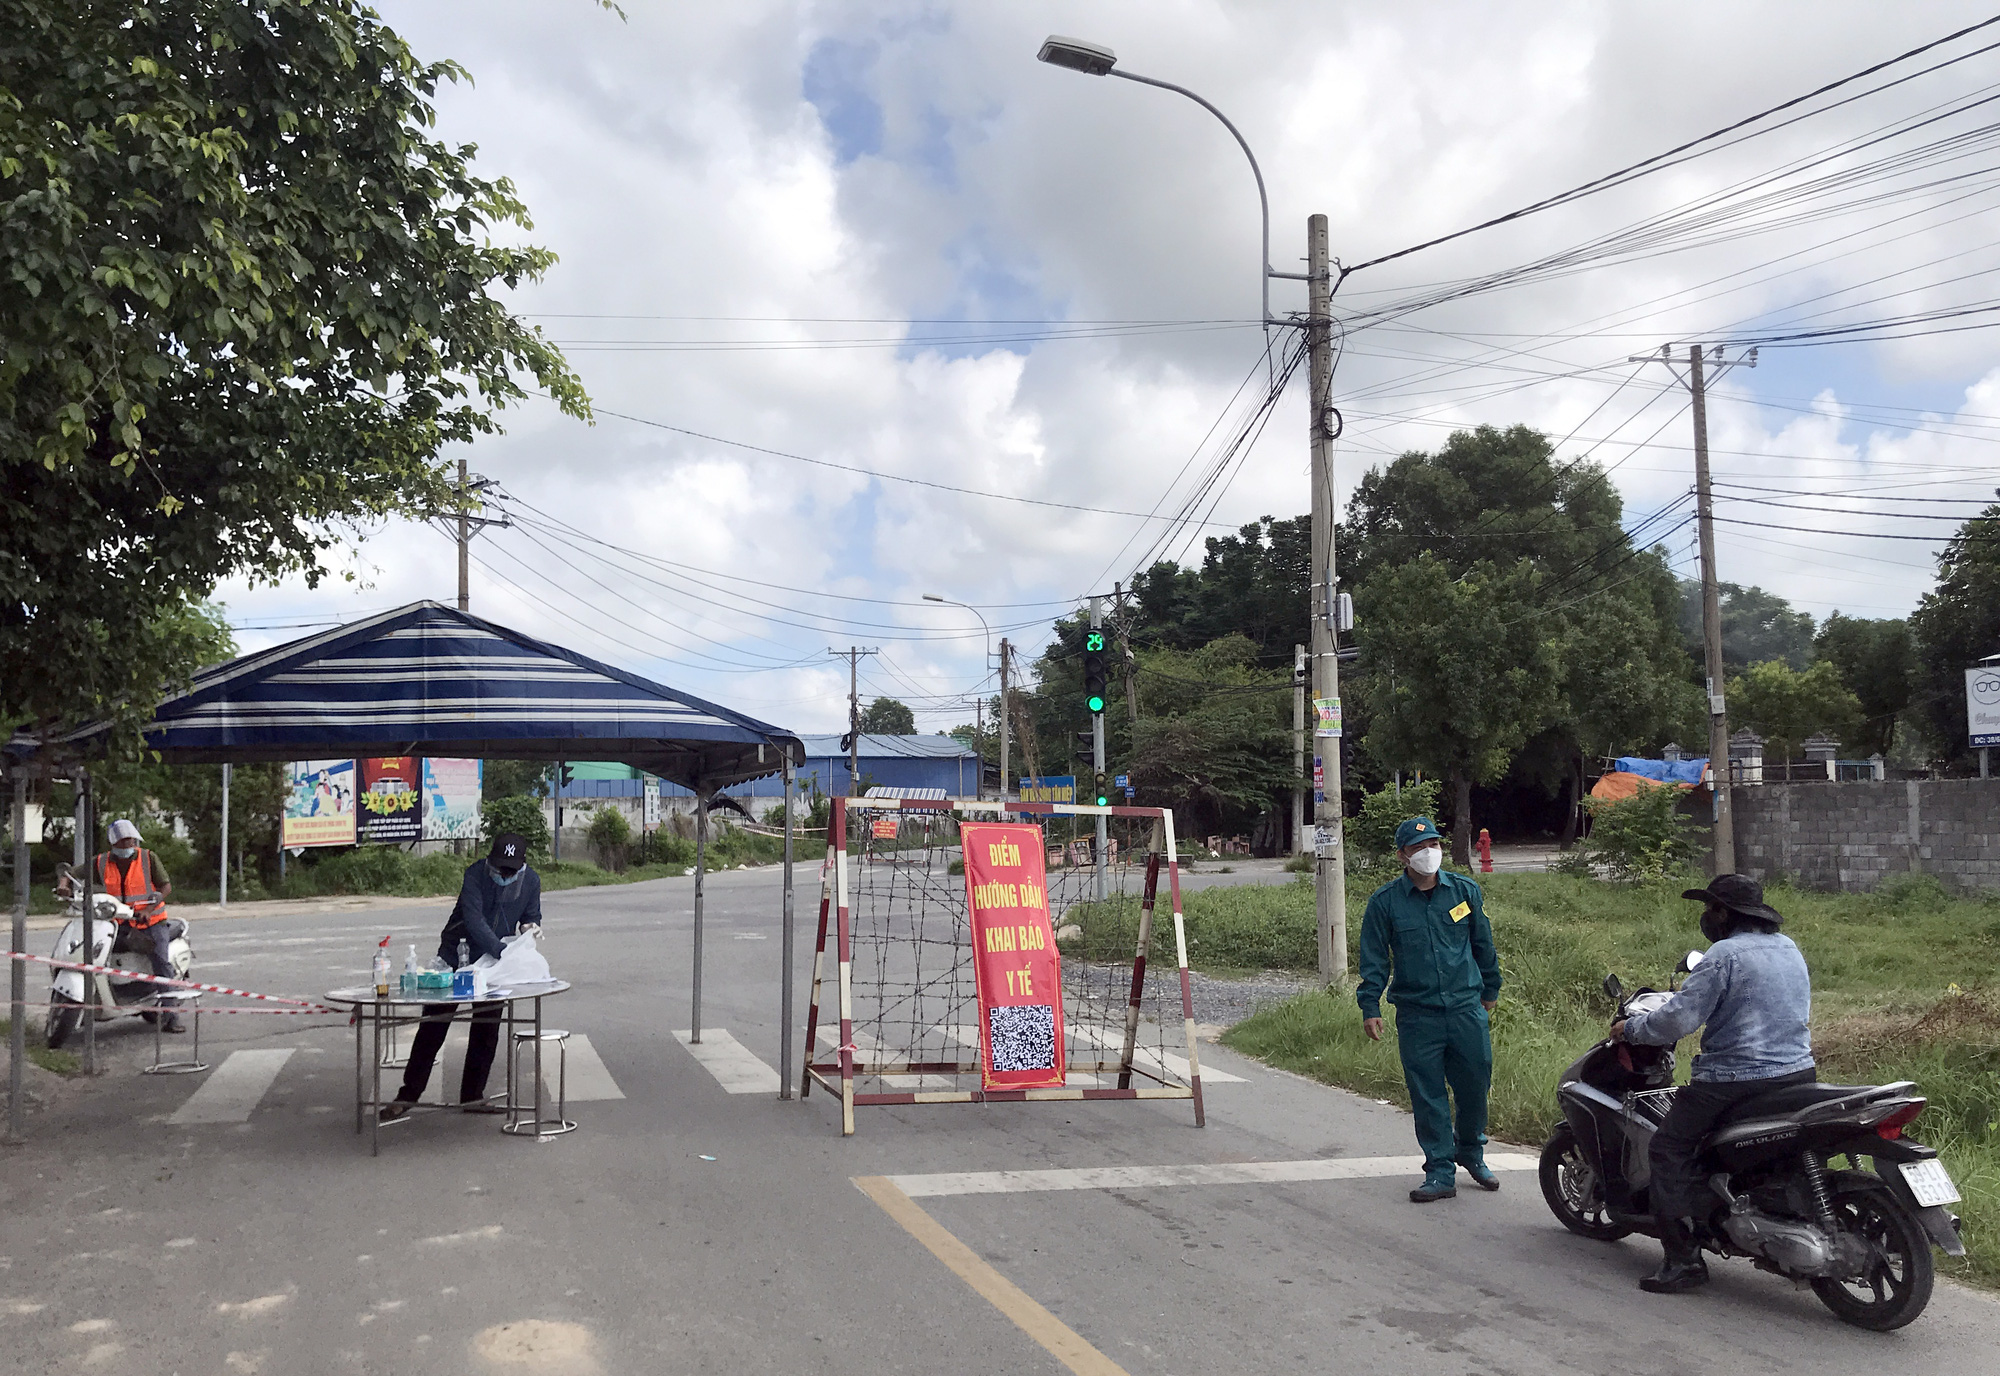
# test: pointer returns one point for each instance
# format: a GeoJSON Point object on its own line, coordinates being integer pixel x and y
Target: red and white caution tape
{"type": "Point", "coordinates": [306, 1005]}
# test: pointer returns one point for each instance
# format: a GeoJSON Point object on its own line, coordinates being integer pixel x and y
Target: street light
{"type": "Point", "coordinates": [978, 700]}
{"type": "Point", "coordinates": [1094, 59]}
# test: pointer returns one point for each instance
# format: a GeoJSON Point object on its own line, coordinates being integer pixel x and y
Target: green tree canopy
{"type": "Point", "coordinates": [1461, 672]}
{"type": "Point", "coordinates": [1956, 625]}
{"type": "Point", "coordinates": [888, 717]}
{"type": "Point", "coordinates": [1785, 705]}
{"type": "Point", "coordinates": [1877, 661]}
{"type": "Point", "coordinates": [1756, 625]}
{"type": "Point", "coordinates": [1216, 741]}
{"type": "Point", "coordinates": [245, 301]}
{"type": "Point", "coordinates": [1254, 583]}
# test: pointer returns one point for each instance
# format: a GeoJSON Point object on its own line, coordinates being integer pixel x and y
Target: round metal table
{"type": "Point", "coordinates": [373, 1012]}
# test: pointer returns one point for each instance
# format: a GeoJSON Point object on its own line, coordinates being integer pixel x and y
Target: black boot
{"type": "Point", "coordinates": [1682, 1268]}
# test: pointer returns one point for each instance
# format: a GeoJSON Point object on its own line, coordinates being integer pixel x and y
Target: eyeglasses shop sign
{"type": "Point", "coordinates": [1982, 704]}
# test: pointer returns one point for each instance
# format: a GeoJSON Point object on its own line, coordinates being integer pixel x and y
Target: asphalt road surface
{"type": "Point", "coordinates": [234, 1223]}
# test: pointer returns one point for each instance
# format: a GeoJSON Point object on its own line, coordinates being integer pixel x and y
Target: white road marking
{"type": "Point", "coordinates": [589, 1081]}
{"type": "Point", "coordinates": [1141, 1056]}
{"type": "Point", "coordinates": [1153, 1177]}
{"type": "Point", "coordinates": [234, 1088]}
{"type": "Point", "coordinates": [729, 1061]}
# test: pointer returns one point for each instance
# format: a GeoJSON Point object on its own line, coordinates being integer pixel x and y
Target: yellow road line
{"type": "Point", "coordinates": [1061, 1341]}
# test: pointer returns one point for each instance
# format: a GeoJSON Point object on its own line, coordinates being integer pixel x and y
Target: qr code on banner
{"type": "Point", "coordinates": [1024, 1037]}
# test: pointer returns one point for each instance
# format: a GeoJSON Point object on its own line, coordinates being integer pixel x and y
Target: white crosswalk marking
{"type": "Point", "coordinates": [728, 1060]}
{"type": "Point", "coordinates": [589, 1081]}
{"type": "Point", "coordinates": [1147, 1060]}
{"type": "Point", "coordinates": [233, 1089]}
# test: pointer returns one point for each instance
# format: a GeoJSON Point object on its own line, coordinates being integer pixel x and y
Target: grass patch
{"type": "Point", "coordinates": [1903, 988]}
{"type": "Point", "coordinates": [56, 1062]}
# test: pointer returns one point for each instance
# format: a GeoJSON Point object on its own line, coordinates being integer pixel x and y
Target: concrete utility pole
{"type": "Point", "coordinates": [1330, 873]}
{"type": "Point", "coordinates": [1301, 843]}
{"type": "Point", "coordinates": [17, 1043]}
{"type": "Point", "coordinates": [1006, 712]}
{"type": "Point", "coordinates": [1696, 381]}
{"type": "Point", "coordinates": [1125, 658]}
{"type": "Point", "coordinates": [464, 545]}
{"type": "Point", "coordinates": [1097, 763]}
{"type": "Point", "coordinates": [853, 656]}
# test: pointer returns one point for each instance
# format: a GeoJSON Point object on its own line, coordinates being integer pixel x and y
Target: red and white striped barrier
{"type": "Point", "coordinates": [303, 1005]}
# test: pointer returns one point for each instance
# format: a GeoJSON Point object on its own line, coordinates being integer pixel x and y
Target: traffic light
{"type": "Point", "coordinates": [1093, 671]}
{"type": "Point", "coordinates": [1101, 789]}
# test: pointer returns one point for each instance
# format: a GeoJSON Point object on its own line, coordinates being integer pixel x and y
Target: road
{"type": "Point", "coordinates": [686, 1229]}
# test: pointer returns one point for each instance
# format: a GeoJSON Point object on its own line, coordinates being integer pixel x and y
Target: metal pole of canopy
{"type": "Point", "coordinates": [785, 958]}
{"type": "Point", "coordinates": [88, 828]}
{"type": "Point", "coordinates": [17, 1041]}
{"type": "Point", "coordinates": [700, 872]}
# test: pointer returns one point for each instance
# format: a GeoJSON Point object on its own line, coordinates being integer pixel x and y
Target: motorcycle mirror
{"type": "Point", "coordinates": [1689, 961]}
{"type": "Point", "coordinates": [63, 871]}
{"type": "Point", "coordinates": [1614, 987]}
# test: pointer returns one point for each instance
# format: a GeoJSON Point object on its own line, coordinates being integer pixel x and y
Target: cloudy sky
{"type": "Point", "coordinates": [942, 319]}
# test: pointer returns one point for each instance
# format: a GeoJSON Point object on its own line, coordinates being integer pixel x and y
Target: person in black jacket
{"type": "Point", "coordinates": [501, 895]}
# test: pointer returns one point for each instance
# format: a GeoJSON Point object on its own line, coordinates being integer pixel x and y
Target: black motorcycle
{"type": "Point", "coordinates": [1861, 1234]}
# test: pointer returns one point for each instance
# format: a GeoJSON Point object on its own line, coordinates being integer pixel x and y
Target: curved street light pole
{"type": "Point", "coordinates": [978, 698]}
{"type": "Point", "coordinates": [1330, 868]}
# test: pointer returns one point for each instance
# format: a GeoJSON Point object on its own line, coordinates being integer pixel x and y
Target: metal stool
{"type": "Point", "coordinates": [172, 1001]}
{"type": "Point", "coordinates": [537, 1126]}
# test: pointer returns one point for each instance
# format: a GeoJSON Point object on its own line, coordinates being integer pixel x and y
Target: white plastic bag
{"type": "Point", "coordinates": [520, 962]}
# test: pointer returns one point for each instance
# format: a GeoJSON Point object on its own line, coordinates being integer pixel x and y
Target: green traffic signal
{"type": "Point", "coordinates": [1094, 642]}
{"type": "Point", "coordinates": [1094, 703]}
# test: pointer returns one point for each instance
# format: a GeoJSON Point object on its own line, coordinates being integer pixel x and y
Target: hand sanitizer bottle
{"type": "Point", "coordinates": [410, 970]}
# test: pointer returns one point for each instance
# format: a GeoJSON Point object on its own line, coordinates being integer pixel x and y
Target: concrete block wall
{"type": "Point", "coordinates": [1855, 835]}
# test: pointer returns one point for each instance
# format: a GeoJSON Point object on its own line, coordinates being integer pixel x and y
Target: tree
{"type": "Point", "coordinates": [245, 302]}
{"type": "Point", "coordinates": [1461, 673]}
{"type": "Point", "coordinates": [888, 717]}
{"type": "Point", "coordinates": [515, 779]}
{"type": "Point", "coordinates": [1956, 625]}
{"type": "Point", "coordinates": [1216, 743]}
{"type": "Point", "coordinates": [1877, 660]}
{"type": "Point", "coordinates": [1756, 625]}
{"type": "Point", "coordinates": [1785, 705]}
{"type": "Point", "coordinates": [1254, 583]}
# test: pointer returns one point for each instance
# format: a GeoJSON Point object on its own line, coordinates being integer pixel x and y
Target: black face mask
{"type": "Point", "coordinates": [1716, 922]}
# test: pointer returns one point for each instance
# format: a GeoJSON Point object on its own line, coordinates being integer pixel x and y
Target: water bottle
{"type": "Point", "coordinates": [381, 972]}
{"type": "Point", "coordinates": [464, 954]}
{"type": "Point", "coordinates": [410, 970]}
{"type": "Point", "coordinates": [461, 979]}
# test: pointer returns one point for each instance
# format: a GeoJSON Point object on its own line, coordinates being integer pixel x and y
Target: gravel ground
{"type": "Point", "coordinates": [1229, 1001]}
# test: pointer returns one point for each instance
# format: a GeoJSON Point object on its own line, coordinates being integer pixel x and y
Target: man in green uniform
{"type": "Point", "coordinates": [1429, 927]}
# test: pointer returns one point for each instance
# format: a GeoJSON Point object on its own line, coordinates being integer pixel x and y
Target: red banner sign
{"type": "Point", "coordinates": [1017, 968]}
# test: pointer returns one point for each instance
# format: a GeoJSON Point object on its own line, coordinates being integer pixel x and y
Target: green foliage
{"type": "Point", "coordinates": [1216, 742]}
{"type": "Point", "coordinates": [1956, 625]}
{"type": "Point", "coordinates": [1248, 927]}
{"type": "Point", "coordinates": [1253, 584]}
{"type": "Point", "coordinates": [1756, 625]}
{"type": "Point", "coordinates": [246, 300]}
{"type": "Point", "coordinates": [888, 717]}
{"type": "Point", "coordinates": [1644, 837]}
{"type": "Point", "coordinates": [1881, 1011]}
{"type": "Point", "coordinates": [373, 870]}
{"type": "Point", "coordinates": [520, 815]}
{"type": "Point", "coordinates": [1785, 705]}
{"type": "Point", "coordinates": [514, 779]}
{"type": "Point", "coordinates": [1461, 672]}
{"type": "Point", "coordinates": [1371, 836]}
{"type": "Point", "coordinates": [63, 1063]}
{"type": "Point", "coordinates": [608, 828]}
{"type": "Point", "coordinates": [1877, 662]}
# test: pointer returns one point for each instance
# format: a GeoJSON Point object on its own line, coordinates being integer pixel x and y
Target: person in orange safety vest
{"type": "Point", "coordinates": [136, 878]}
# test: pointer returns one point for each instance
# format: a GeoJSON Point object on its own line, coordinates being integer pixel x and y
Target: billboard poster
{"type": "Point", "coordinates": [451, 799]}
{"type": "Point", "coordinates": [1982, 704]}
{"type": "Point", "coordinates": [1049, 788]}
{"type": "Point", "coordinates": [1016, 968]}
{"type": "Point", "coordinates": [651, 815]}
{"type": "Point", "coordinates": [392, 808]}
{"type": "Point", "coordinates": [319, 810]}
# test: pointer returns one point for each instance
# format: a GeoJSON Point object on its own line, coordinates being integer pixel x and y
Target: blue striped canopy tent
{"type": "Point", "coordinates": [427, 679]}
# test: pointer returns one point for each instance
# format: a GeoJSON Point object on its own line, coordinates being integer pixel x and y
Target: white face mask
{"type": "Point", "coordinates": [1427, 860]}
{"type": "Point", "coordinates": [125, 850]}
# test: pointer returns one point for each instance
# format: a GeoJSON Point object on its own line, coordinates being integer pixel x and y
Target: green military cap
{"type": "Point", "coordinates": [1416, 831]}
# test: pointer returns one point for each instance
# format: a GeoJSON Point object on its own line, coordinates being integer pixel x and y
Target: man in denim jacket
{"type": "Point", "coordinates": [1755, 997]}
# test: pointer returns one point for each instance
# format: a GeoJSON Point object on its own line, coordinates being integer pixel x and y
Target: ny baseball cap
{"type": "Point", "coordinates": [509, 852]}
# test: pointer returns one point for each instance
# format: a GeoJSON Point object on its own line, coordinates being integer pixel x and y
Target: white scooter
{"type": "Point", "coordinates": [116, 996]}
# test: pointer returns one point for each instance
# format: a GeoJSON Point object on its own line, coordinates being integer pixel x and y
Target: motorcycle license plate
{"type": "Point", "coordinates": [1929, 1182]}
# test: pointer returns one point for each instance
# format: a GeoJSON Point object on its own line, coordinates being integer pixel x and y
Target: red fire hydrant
{"type": "Point", "coordinates": [1485, 852]}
